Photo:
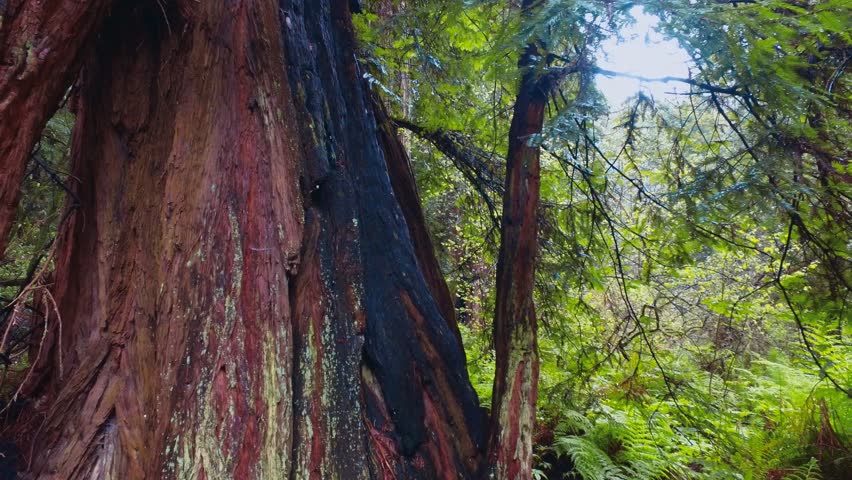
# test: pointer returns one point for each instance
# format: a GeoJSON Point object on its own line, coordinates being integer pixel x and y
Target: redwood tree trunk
{"type": "Point", "coordinates": [239, 295]}
{"type": "Point", "coordinates": [515, 331]}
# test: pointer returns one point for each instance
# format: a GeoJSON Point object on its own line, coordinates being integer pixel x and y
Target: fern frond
{"type": "Point", "coordinates": [590, 462]}
{"type": "Point", "coordinates": [808, 471]}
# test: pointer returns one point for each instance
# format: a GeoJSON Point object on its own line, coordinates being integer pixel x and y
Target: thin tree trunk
{"type": "Point", "coordinates": [515, 332]}
{"type": "Point", "coordinates": [40, 45]}
{"type": "Point", "coordinates": [239, 295]}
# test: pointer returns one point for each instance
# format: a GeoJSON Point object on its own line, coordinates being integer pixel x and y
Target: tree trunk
{"type": "Point", "coordinates": [515, 332]}
{"type": "Point", "coordinates": [40, 46]}
{"type": "Point", "coordinates": [239, 295]}
{"type": "Point", "coordinates": [405, 190]}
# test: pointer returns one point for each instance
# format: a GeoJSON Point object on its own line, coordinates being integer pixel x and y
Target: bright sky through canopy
{"type": "Point", "coordinates": [642, 52]}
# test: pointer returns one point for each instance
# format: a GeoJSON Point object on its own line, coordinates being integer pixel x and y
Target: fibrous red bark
{"type": "Point", "coordinates": [40, 46]}
{"type": "Point", "coordinates": [239, 294]}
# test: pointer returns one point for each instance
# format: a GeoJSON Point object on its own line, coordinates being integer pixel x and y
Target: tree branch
{"type": "Point", "coordinates": [734, 90]}
{"type": "Point", "coordinates": [474, 163]}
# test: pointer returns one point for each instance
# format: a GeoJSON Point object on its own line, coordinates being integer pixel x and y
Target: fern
{"type": "Point", "coordinates": [574, 422]}
{"type": "Point", "coordinates": [809, 471]}
{"type": "Point", "coordinates": [623, 445]}
{"type": "Point", "coordinates": [590, 462]}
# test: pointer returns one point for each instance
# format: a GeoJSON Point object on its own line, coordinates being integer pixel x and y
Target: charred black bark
{"type": "Point", "coordinates": [416, 392]}
{"type": "Point", "coordinates": [405, 191]}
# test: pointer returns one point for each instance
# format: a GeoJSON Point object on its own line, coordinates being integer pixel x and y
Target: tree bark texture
{"type": "Point", "coordinates": [40, 46]}
{"type": "Point", "coordinates": [405, 190]}
{"type": "Point", "coordinates": [515, 331]}
{"type": "Point", "coordinates": [239, 295]}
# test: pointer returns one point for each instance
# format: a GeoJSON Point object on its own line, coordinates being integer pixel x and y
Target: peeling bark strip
{"type": "Point", "coordinates": [40, 50]}
{"type": "Point", "coordinates": [239, 292]}
{"type": "Point", "coordinates": [515, 331]}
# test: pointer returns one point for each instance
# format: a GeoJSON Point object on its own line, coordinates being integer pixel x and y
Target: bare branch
{"type": "Point", "coordinates": [734, 90]}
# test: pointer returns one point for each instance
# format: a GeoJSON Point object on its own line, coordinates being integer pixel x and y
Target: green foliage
{"type": "Point", "coordinates": [693, 278]}
{"type": "Point", "coordinates": [37, 219]}
{"type": "Point", "coordinates": [809, 471]}
{"type": "Point", "coordinates": [41, 200]}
